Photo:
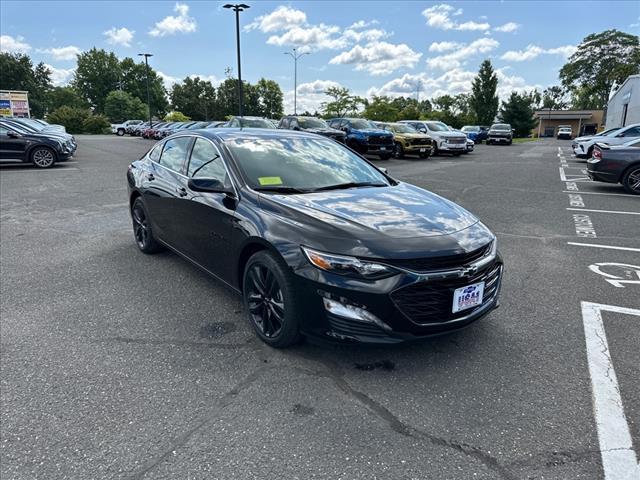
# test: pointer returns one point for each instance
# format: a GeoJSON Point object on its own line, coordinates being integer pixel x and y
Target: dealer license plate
{"type": "Point", "coordinates": [383, 148]}
{"type": "Point", "coordinates": [468, 297]}
{"type": "Point", "coordinates": [422, 150]}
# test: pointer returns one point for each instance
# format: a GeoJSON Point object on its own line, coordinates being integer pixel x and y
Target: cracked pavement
{"type": "Point", "coordinates": [117, 365]}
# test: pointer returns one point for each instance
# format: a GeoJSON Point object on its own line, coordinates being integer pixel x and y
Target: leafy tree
{"type": "Point", "coordinates": [98, 73]}
{"type": "Point", "coordinates": [96, 124]}
{"type": "Point", "coordinates": [175, 116]}
{"type": "Point", "coordinates": [18, 73]}
{"type": "Point", "coordinates": [134, 81]}
{"type": "Point", "coordinates": [381, 109]}
{"type": "Point", "coordinates": [120, 106]}
{"type": "Point", "coordinates": [484, 99]}
{"type": "Point", "coordinates": [72, 118]}
{"type": "Point", "coordinates": [602, 62]}
{"type": "Point", "coordinates": [61, 96]}
{"type": "Point", "coordinates": [195, 97]}
{"type": "Point", "coordinates": [269, 98]}
{"type": "Point", "coordinates": [227, 98]}
{"type": "Point", "coordinates": [554, 97]}
{"type": "Point", "coordinates": [518, 111]}
{"type": "Point", "coordinates": [39, 94]}
{"type": "Point", "coordinates": [343, 102]}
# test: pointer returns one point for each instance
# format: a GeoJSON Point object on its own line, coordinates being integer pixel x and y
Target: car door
{"type": "Point", "coordinates": [13, 146]}
{"type": "Point", "coordinates": [164, 190]}
{"type": "Point", "coordinates": [209, 216]}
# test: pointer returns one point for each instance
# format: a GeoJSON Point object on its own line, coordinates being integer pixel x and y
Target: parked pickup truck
{"type": "Point", "coordinates": [364, 137]}
{"type": "Point", "coordinates": [120, 128]}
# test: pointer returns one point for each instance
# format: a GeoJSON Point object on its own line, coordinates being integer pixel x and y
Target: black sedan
{"type": "Point", "coordinates": [617, 164]}
{"type": "Point", "coordinates": [311, 125]}
{"type": "Point", "coordinates": [40, 149]}
{"type": "Point", "coordinates": [318, 241]}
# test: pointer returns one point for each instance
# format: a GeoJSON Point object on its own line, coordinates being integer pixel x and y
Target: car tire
{"type": "Point", "coordinates": [435, 149]}
{"type": "Point", "coordinates": [385, 156]}
{"type": "Point", "coordinates": [631, 180]}
{"type": "Point", "coordinates": [509, 142]}
{"type": "Point", "coordinates": [43, 157]}
{"type": "Point", "coordinates": [271, 301]}
{"type": "Point", "coordinates": [457, 154]}
{"type": "Point", "coordinates": [423, 155]}
{"type": "Point", "coordinates": [142, 232]}
{"type": "Point", "coordinates": [120, 132]}
{"type": "Point", "coordinates": [398, 151]}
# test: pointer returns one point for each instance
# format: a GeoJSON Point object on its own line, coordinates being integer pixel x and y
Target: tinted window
{"type": "Point", "coordinates": [3, 131]}
{"type": "Point", "coordinates": [310, 122]}
{"type": "Point", "coordinates": [361, 124]}
{"type": "Point", "coordinates": [206, 162]}
{"type": "Point", "coordinates": [284, 123]}
{"type": "Point", "coordinates": [632, 132]}
{"type": "Point", "coordinates": [174, 153]}
{"type": "Point", "coordinates": [154, 154]}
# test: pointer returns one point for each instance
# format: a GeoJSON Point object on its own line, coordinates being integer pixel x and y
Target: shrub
{"type": "Point", "coordinates": [176, 116]}
{"type": "Point", "coordinates": [96, 124]}
{"type": "Point", "coordinates": [72, 118]}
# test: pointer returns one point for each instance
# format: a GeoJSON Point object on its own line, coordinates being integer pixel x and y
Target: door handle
{"type": "Point", "coordinates": [151, 177]}
{"type": "Point", "coordinates": [181, 191]}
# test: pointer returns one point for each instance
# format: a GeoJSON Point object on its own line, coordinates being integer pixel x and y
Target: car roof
{"type": "Point", "coordinates": [224, 134]}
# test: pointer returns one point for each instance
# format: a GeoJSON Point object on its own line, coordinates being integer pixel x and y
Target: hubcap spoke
{"type": "Point", "coordinates": [264, 300]}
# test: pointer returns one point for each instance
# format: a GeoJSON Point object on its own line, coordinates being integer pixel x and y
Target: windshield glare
{"type": "Point", "coordinates": [312, 123]}
{"type": "Point", "coordinates": [501, 126]}
{"type": "Point", "coordinates": [437, 126]}
{"type": "Point", "coordinates": [255, 123]}
{"type": "Point", "coordinates": [402, 128]}
{"type": "Point", "coordinates": [360, 124]}
{"type": "Point", "coordinates": [470, 129]}
{"type": "Point", "coordinates": [300, 163]}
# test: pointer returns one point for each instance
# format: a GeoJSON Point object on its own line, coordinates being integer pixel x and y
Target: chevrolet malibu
{"type": "Point", "coordinates": [317, 240]}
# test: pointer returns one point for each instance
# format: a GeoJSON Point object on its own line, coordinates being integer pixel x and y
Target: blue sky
{"type": "Point", "coordinates": [371, 47]}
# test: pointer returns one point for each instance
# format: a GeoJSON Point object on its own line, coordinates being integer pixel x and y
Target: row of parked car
{"type": "Point", "coordinates": [613, 156]}
{"type": "Point", "coordinates": [383, 139]}
{"type": "Point", "coordinates": [34, 141]}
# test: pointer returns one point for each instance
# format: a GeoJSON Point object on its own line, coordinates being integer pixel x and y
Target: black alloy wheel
{"type": "Point", "coordinates": [270, 301]}
{"type": "Point", "coordinates": [142, 228]}
{"type": "Point", "coordinates": [631, 180]}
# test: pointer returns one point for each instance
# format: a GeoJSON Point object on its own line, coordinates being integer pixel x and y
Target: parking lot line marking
{"type": "Point", "coordinates": [562, 176]}
{"type": "Point", "coordinates": [619, 461]}
{"type": "Point", "coordinates": [599, 193]}
{"type": "Point", "coordinates": [595, 245]}
{"type": "Point", "coordinates": [602, 211]}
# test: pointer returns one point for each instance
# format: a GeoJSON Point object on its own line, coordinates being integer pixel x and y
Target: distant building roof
{"type": "Point", "coordinates": [565, 114]}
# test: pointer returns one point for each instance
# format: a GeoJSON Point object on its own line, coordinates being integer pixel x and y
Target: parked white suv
{"type": "Point", "coordinates": [444, 140]}
{"type": "Point", "coordinates": [120, 128]}
{"type": "Point", "coordinates": [565, 132]}
{"type": "Point", "coordinates": [584, 148]}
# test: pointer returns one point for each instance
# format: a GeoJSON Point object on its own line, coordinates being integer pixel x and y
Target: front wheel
{"type": "Point", "coordinates": [631, 180]}
{"type": "Point", "coordinates": [142, 228]}
{"type": "Point", "coordinates": [509, 142]}
{"type": "Point", "coordinates": [43, 157]}
{"type": "Point", "coordinates": [385, 156]}
{"type": "Point", "coordinates": [120, 132]}
{"type": "Point", "coordinates": [457, 154]}
{"type": "Point", "coordinates": [270, 300]}
{"type": "Point", "coordinates": [423, 154]}
{"type": "Point", "coordinates": [399, 151]}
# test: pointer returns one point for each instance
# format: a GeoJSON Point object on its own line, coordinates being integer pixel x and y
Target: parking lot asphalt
{"type": "Point", "coordinates": [116, 364]}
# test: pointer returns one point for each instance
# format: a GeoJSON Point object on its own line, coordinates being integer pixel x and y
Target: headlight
{"type": "Point", "coordinates": [350, 266]}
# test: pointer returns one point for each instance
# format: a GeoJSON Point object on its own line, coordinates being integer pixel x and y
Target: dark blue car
{"type": "Point", "coordinates": [364, 137]}
{"type": "Point", "coordinates": [475, 133]}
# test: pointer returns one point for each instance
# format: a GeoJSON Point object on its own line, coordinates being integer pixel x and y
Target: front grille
{"type": "Point", "coordinates": [382, 140]}
{"type": "Point", "coordinates": [421, 141]}
{"type": "Point", "coordinates": [431, 302]}
{"type": "Point", "coordinates": [440, 263]}
{"type": "Point", "coordinates": [457, 140]}
{"type": "Point", "coordinates": [351, 328]}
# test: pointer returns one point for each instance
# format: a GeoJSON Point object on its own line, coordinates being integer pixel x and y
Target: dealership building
{"type": "Point", "coordinates": [624, 105]}
{"type": "Point", "coordinates": [582, 122]}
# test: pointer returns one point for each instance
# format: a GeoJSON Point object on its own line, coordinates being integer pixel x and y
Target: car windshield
{"type": "Point", "coordinates": [361, 124]}
{"type": "Point", "coordinates": [20, 127]}
{"type": "Point", "coordinates": [299, 165]}
{"type": "Point", "coordinates": [402, 128]}
{"type": "Point", "coordinates": [467, 128]}
{"type": "Point", "coordinates": [501, 126]}
{"type": "Point", "coordinates": [32, 124]}
{"type": "Point", "coordinates": [437, 127]}
{"type": "Point", "coordinates": [306, 122]}
{"type": "Point", "coordinates": [606, 132]}
{"type": "Point", "coordinates": [255, 123]}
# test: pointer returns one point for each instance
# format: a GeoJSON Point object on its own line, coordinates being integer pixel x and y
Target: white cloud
{"type": "Point", "coordinates": [444, 46]}
{"type": "Point", "coordinates": [310, 96]}
{"type": "Point", "coordinates": [168, 80]}
{"type": "Point", "coordinates": [534, 51]}
{"type": "Point", "coordinates": [370, 35]}
{"type": "Point", "coordinates": [207, 78]}
{"type": "Point", "coordinates": [362, 24]}
{"type": "Point", "coordinates": [316, 87]}
{"type": "Point", "coordinates": [282, 18]}
{"type": "Point", "coordinates": [119, 36]}
{"type": "Point", "coordinates": [13, 45]}
{"type": "Point", "coordinates": [508, 27]}
{"type": "Point", "coordinates": [182, 23]}
{"type": "Point", "coordinates": [379, 58]}
{"type": "Point", "coordinates": [439, 16]}
{"type": "Point", "coordinates": [462, 52]}
{"type": "Point", "coordinates": [60, 76]}
{"type": "Point", "coordinates": [510, 83]}
{"type": "Point", "coordinates": [62, 53]}
{"type": "Point", "coordinates": [310, 38]}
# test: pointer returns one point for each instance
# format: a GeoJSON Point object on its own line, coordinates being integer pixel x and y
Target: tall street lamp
{"type": "Point", "coordinates": [146, 61]}
{"type": "Point", "coordinates": [295, 55]}
{"type": "Point", "coordinates": [238, 8]}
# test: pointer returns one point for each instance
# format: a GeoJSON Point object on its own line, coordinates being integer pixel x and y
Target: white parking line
{"type": "Point", "coordinates": [599, 193]}
{"type": "Point", "coordinates": [611, 247]}
{"type": "Point", "coordinates": [619, 461]}
{"type": "Point", "coordinates": [602, 211]}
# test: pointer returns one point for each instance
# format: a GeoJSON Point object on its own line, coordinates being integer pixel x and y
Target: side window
{"type": "Point", "coordinates": [294, 123]}
{"type": "Point", "coordinates": [205, 162]}
{"type": "Point", "coordinates": [174, 153]}
{"type": "Point", "coordinates": [154, 154]}
{"type": "Point", "coordinates": [632, 132]}
{"type": "Point", "coordinates": [284, 123]}
{"type": "Point", "coordinates": [235, 123]}
{"type": "Point", "coordinates": [3, 131]}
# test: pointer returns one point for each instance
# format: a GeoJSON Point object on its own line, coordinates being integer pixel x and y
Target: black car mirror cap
{"type": "Point", "coordinates": [210, 185]}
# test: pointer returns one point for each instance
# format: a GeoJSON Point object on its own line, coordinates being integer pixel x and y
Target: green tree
{"type": "Point", "coordinates": [39, 93]}
{"type": "Point", "coordinates": [96, 124]}
{"type": "Point", "coordinates": [61, 96]}
{"type": "Point", "coordinates": [194, 97]}
{"type": "Point", "coordinates": [120, 106]}
{"type": "Point", "coordinates": [382, 109]}
{"type": "Point", "coordinates": [134, 81]}
{"type": "Point", "coordinates": [176, 116]}
{"type": "Point", "coordinates": [601, 63]}
{"type": "Point", "coordinates": [227, 98]}
{"type": "Point", "coordinates": [518, 111]}
{"type": "Point", "coordinates": [270, 98]}
{"type": "Point", "coordinates": [484, 99]}
{"type": "Point", "coordinates": [98, 73]}
{"type": "Point", "coordinates": [72, 118]}
{"type": "Point", "coordinates": [343, 102]}
{"type": "Point", "coordinates": [554, 97]}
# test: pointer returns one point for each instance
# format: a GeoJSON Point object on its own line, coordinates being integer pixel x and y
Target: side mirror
{"type": "Point", "coordinates": [422, 130]}
{"type": "Point", "coordinates": [210, 185]}
{"type": "Point", "coordinates": [513, 130]}
{"type": "Point", "coordinates": [296, 128]}
{"type": "Point", "coordinates": [383, 170]}
{"type": "Point", "coordinates": [12, 134]}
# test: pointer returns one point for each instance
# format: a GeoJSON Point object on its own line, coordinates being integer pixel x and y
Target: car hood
{"type": "Point", "coordinates": [499, 132]}
{"type": "Point", "coordinates": [372, 131]}
{"type": "Point", "coordinates": [450, 134]}
{"type": "Point", "coordinates": [412, 135]}
{"type": "Point", "coordinates": [325, 131]}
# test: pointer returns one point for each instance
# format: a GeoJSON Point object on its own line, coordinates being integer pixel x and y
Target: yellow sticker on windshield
{"type": "Point", "coordinates": [270, 180]}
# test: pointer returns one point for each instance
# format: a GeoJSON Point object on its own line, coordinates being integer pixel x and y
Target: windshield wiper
{"type": "Point", "coordinates": [340, 186]}
{"type": "Point", "coordinates": [280, 189]}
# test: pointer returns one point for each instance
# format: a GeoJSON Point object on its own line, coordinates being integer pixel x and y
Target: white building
{"type": "Point", "coordinates": [624, 106]}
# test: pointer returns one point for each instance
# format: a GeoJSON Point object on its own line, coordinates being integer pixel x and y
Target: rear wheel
{"type": "Point", "coordinates": [270, 300]}
{"type": "Point", "coordinates": [631, 180]}
{"type": "Point", "coordinates": [142, 228]}
{"type": "Point", "coordinates": [120, 132]}
{"type": "Point", "coordinates": [43, 157]}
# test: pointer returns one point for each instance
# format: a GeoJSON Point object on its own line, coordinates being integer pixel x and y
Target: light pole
{"type": "Point", "coordinates": [146, 62]}
{"type": "Point", "coordinates": [295, 55]}
{"type": "Point", "coordinates": [238, 8]}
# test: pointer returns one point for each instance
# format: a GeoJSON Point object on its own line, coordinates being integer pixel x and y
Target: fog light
{"type": "Point", "coordinates": [352, 312]}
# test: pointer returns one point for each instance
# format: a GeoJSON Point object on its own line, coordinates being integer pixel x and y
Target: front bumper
{"type": "Point", "coordinates": [417, 149]}
{"type": "Point", "coordinates": [499, 139]}
{"type": "Point", "coordinates": [578, 150]}
{"type": "Point", "coordinates": [453, 147]}
{"type": "Point", "coordinates": [404, 307]}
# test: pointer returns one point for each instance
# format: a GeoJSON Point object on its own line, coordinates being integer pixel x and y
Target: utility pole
{"type": "Point", "coordinates": [238, 8]}
{"type": "Point", "coordinates": [146, 61]}
{"type": "Point", "coordinates": [295, 55]}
